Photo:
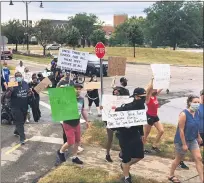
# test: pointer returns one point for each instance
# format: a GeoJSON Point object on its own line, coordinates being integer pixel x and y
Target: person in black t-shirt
{"type": "Point", "coordinates": [19, 105]}
{"type": "Point", "coordinates": [93, 96]}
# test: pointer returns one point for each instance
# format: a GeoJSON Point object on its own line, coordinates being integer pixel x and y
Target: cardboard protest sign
{"type": "Point", "coordinates": [162, 74]}
{"type": "Point", "coordinates": [116, 66]}
{"type": "Point", "coordinates": [92, 85]}
{"type": "Point", "coordinates": [110, 102]}
{"type": "Point", "coordinates": [63, 104]}
{"type": "Point", "coordinates": [73, 60]}
{"type": "Point", "coordinates": [12, 84]}
{"type": "Point", "coordinates": [127, 118]}
{"type": "Point", "coordinates": [42, 85]}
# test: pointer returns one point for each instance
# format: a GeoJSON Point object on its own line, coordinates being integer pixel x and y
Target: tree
{"type": "Point", "coordinates": [86, 24]}
{"type": "Point", "coordinates": [72, 37]}
{"type": "Point", "coordinates": [134, 33]}
{"type": "Point", "coordinates": [43, 31]}
{"type": "Point", "coordinates": [98, 36]}
{"type": "Point", "coordinates": [59, 35]}
{"type": "Point", "coordinates": [14, 31]}
{"type": "Point", "coordinates": [171, 23]}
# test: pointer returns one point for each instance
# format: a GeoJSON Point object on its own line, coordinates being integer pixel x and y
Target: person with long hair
{"type": "Point", "coordinates": [93, 96]}
{"type": "Point", "coordinates": [188, 138]}
{"type": "Point", "coordinates": [152, 116]}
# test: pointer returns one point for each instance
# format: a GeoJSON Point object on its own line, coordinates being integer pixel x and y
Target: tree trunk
{"type": "Point", "coordinates": [16, 47]}
{"type": "Point", "coordinates": [44, 50]}
{"type": "Point", "coordinates": [134, 50]}
{"type": "Point", "coordinates": [174, 46]}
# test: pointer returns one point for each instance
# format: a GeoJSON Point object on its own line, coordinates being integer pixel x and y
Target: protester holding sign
{"type": "Point", "coordinates": [131, 138]}
{"type": "Point", "coordinates": [19, 105]}
{"type": "Point", "coordinates": [123, 84]}
{"type": "Point", "coordinates": [66, 81]}
{"type": "Point", "coordinates": [93, 96]}
{"type": "Point", "coordinates": [73, 131]}
{"type": "Point", "coordinates": [152, 115]}
{"type": "Point", "coordinates": [188, 138]}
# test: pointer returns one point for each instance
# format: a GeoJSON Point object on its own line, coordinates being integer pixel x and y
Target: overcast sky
{"type": "Point", "coordinates": [62, 10]}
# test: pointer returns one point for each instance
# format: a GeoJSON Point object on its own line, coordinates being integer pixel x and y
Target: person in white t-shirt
{"type": "Point", "coordinates": [27, 75]}
{"type": "Point", "coordinates": [20, 68]}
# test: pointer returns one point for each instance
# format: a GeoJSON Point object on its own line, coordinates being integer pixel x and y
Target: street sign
{"type": "Point", "coordinates": [100, 50]}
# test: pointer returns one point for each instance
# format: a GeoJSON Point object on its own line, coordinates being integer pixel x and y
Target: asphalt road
{"type": "Point", "coordinates": [26, 164]}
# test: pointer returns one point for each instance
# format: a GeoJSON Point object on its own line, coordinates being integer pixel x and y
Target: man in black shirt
{"type": "Point", "coordinates": [131, 139]}
{"type": "Point", "coordinates": [19, 104]}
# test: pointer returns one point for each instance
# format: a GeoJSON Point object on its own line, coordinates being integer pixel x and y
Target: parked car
{"type": "Point", "coordinates": [6, 53]}
{"type": "Point", "coordinates": [93, 66]}
{"type": "Point", "coordinates": [53, 47]}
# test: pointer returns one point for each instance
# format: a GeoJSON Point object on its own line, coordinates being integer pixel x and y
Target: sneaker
{"type": "Point", "coordinates": [147, 151]}
{"type": "Point", "coordinates": [120, 156]}
{"type": "Point", "coordinates": [77, 161]}
{"type": "Point", "coordinates": [16, 133]}
{"type": "Point", "coordinates": [22, 142]}
{"type": "Point", "coordinates": [108, 159]}
{"type": "Point", "coordinates": [27, 121]}
{"type": "Point", "coordinates": [156, 149]}
{"type": "Point", "coordinates": [61, 156]}
{"type": "Point", "coordinates": [127, 180]}
{"type": "Point", "coordinates": [183, 165]}
{"type": "Point", "coordinates": [80, 149]}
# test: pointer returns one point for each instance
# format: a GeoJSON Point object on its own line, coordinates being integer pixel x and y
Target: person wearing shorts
{"type": "Point", "coordinates": [93, 96]}
{"type": "Point", "coordinates": [131, 138]}
{"type": "Point", "coordinates": [188, 138]}
{"type": "Point", "coordinates": [72, 130]}
{"type": "Point", "coordinates": [152, 116]}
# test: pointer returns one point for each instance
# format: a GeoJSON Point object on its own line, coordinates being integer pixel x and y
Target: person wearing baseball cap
{"type": "Point", "coordinates": [131, 139]}
{"type": "Point", "coordinates": [72, 130]}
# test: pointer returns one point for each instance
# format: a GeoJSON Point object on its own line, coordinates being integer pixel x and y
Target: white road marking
{"type": "Point", "coordinates": [48, 107]}
{"type": "Point", "coordinates": [52, 140]}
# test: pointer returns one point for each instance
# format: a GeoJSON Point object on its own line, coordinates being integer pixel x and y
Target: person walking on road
{"type": "Point", "coordinates": [93, 96]}
{"type": "Point", "coordinates": [131, 139]}
{"type": "Point", "coordinates": [20, 68]}
{"type": "Point", "coordinates": [188, 138]}
{"type": "Point", "coordinates": [73, 130]}
{"type": "Point", "coordinates": [19, 105]}
{"type": "Point", "coordinates": [152, 115]}
{"type": "Point", "coordinates": [6, 72]}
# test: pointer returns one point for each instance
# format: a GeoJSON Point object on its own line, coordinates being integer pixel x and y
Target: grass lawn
{"type": "Point", "coordinates": [32, 59]}
{"type": "Point", "coordinates": [96, 135]}
{"type": "Point", "coordinates": [143, 55]}
{"type": "Point", "coordinates": [75, 174]}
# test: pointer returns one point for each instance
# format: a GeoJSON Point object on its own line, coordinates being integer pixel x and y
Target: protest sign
{"type": "Point", "coordinates": [110, 102]}
{"type": "Point", "coordinates": [161, 73]}
{"type": "Point", "coordinates": [73, 60]}
{"type": "Point", "coordinates": [42, 85]}
{"type": "Point", "coordinates": [63, 104]}
{"type": "Point", "coordinates": [116, 66]}
{"type": "Point", "coordinates": [92, 85]}
{"type": "Point", "coordinates": [126, 118]}
{"type": "Point", "coordinates": [12, 84]}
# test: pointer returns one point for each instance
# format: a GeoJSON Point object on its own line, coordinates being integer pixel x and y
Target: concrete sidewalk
{"type": "Point", "coordinates": [151, 167]}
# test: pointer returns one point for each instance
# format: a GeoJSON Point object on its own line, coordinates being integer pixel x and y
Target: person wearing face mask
{"type": "Point", "coordinates": [19, 105]}
{"type": "Point", "coordinates": [188, 138]}
{"type": "Point", "coordinates": [93, 96]}
{"type": "Point", "coordinates": [6, 72]}
{"type": "Point", "coordinates": [131, 139]}
{"type": "Point", "coordinates": [152, 115]}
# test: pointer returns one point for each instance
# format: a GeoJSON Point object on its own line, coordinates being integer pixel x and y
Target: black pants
{"type": "Point", "coordinates": [38, 104]}
{"type": "Point", "coordinates": [19, 117]}
{"type": "Point", "coordinates": [96, 101]}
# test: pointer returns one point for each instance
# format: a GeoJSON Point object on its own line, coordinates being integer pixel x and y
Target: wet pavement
{"type": "Point", "coordinates": [27, 163]}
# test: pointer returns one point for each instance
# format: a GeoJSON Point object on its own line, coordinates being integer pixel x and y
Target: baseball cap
{"type": "Point", "coordinates": [202, 92]}
{"type": "Point", "coordinates": [138, 91]}
{"type": "Point", "coordinates": [77, 85]}
{"type": "Point", "coordinates": [123, 79]}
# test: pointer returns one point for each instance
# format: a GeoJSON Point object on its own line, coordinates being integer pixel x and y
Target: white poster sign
{"type": "Point", "coordinates": [110, 102]}
{"type": "Point", "coordinates": [73, 60]}
{"type": "Point", "coordinates": [127, 119]}
{"type": "Point", "coordinates": [162, 74]}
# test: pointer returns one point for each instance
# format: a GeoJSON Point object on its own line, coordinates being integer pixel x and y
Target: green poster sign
{"type": "Point", "coordinates": [63, 104]}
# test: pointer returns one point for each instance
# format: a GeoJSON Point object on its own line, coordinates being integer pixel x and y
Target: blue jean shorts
{"type": "Point", "coordinates": [192, 145]}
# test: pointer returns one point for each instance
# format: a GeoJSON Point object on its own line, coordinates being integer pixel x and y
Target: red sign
{"type": "Point", "coordinates": [100, 50]}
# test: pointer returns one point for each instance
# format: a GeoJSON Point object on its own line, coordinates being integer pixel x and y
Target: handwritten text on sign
{"type": "Point", "coordinates": [127, 118]}
{"type": "Point", "coordinates": [73, 60]}
{"type": "Point", "coordinates": [161, 73]}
